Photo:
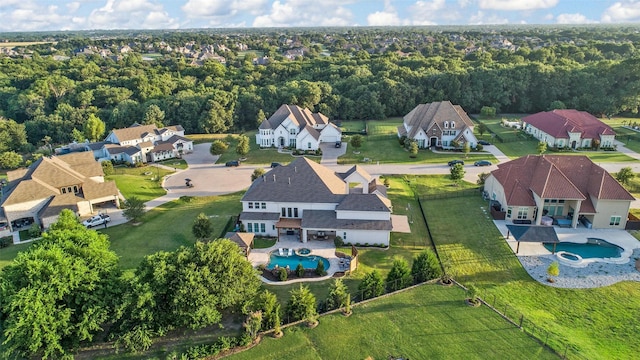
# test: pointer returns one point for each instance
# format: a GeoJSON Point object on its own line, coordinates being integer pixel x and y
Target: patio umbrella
{"type": "Point", "coordinates": [187, 180]}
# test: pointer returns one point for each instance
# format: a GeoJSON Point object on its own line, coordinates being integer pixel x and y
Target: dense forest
{"type": "Point", "coordinates": [345, 74]}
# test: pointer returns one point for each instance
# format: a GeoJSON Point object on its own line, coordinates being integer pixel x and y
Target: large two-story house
{"type": "Point", "coordinates": [37, 194]}
{"type": "Point", "coordinates": [569, 128]}
{"type": "Point", "coordinates": [312, 202]}
{"type": "Point", "coordinates": [438, 124]}
{"type": "Point", "coordinates": [566, 189]}
{"type": "Point", "coordinates": [298, 128]}
{"type": "Point", "coordinates": [142, 143]}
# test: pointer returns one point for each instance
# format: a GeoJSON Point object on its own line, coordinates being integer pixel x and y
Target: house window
{"type": "Point", "coordinates": [292, 142]}
{"type": "Point", "coordinates": [264, 205]}
{"type": "Point", "coordinates": [289, 212]}
{"type": "Point", "coordinates": [523, 213]}
{"type": "Point", "coordinates": [292, 131]}
{"type": "Point", "coordinates": [64, 190]}
{"type": "Point", "coordinates": [453, 125]}
{"type": "Point", "coordinates": [250, 205]}
{"type": "Point", "coordinates": [508, 213]}
{"type": "Point", "coordinates": [344, 235]}
{"type": "Point", "coordinates": [446, 124]}
{"type": "Point", "coordinates": [308, 145]}
{"type": "Point", "coordinates": [615, 220]}
{"type": "Point", "coordinates": [445, 143]}
{"type": "Point", "coordinates": [284, 212]}
{"type": "Point", "coordinates": [263, 227]}
{"type": "Point", "coordinates": [295, 212]}
{"type": "Point", "coordinates": [75, 189]}
{"type": "Point", "coordinates": [273, 227]}
{"type": "Point", "coordinates": [249, 227]}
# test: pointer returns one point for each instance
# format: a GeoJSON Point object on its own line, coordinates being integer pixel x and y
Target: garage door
{"type": "Point", "coordinates": [329, 138]}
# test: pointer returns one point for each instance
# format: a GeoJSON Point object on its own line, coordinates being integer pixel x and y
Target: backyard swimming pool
{"type": "Point", "coordinates": [308, 262]}
{"type": "Point", "coordinates": [594, 250]}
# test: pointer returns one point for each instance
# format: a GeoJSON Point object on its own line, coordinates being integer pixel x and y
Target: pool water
{"type": "Point", "coordinates": [594, 248]}
{"type": "Point", "coordinates": [304, 251]}
{"type": "Point", "coordinates": [308, 262]}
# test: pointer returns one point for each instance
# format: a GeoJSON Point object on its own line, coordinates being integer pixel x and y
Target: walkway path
{"type": "Point", "coordinates": [620, 146]}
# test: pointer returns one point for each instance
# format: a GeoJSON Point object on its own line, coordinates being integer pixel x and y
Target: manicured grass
{"type": "Point", "coordinates": [263, 243]}
{"type": "Point", "coordinates": [595, 322]}
{"type": "Point", "coordinates": [427, 322]}
{"type": "Point", "coordinates": [141, 181]}
{"type": "Point", "coordinates": [175, 163]}
{"type": "Point", "coordinates": [353, 125]}
{"type": "Point", "coordinates": [506, 133]}
{"type": "Point", "coordinates": [9, 253]}
{"type": "Point", "coordinates": [133, 243]}
{"type": "Point", "coordinates": [386, 150]}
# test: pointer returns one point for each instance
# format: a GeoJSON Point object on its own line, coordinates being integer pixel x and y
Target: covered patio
{"type": "Point", "coordinates": [289, 226]}
{"type": "Point", "coordinates": [533, 234]}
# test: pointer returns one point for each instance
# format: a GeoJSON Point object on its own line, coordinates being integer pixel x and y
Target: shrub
{"type": "Point", "coordinates": [479, 147]}
{"type": "Point", "coordinates": [107, 168]}
{"type": "Point", "coordinates": [371, 285]}
{"type": "Point", "coordinates": [218, 147]}
{"type": "Point", "coordinates": [302, 304]}
{"type": "Point", "coordinates": [338, 242]}
{"type": "Point", "coordinates": [282, 274]}
{"type": "Point", "coordinates": [426, 266]}
{"type": "Point", "coordinates": [35, 231]}
{"type": "Point", "coordinates": [399, 276]}
{"type": "Point", "coordinates": [402, 140]}
{"type": "Point", "coordinates": [320, 268]}
{"type": "Point", "coordinates": [338, 293]}
{"type": "Point", "coordinates": [299, 270]}
{"type": "Point", "coordinates": [488, 111]}
{"type": "Point", "coordinates": [472, 293]}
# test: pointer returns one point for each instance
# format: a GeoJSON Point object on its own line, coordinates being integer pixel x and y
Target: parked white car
{"type": "Point", "coordinates": [99, 219]}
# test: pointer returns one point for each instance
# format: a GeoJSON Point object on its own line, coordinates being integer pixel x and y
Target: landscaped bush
{"type": "Point", "coordinates": [282, 274]}
{"type": "Point", "coordinates": [6, 241]}
{"type": "Point", "coordinates": [338, 242]}
{"type": "Point", "coordinates": [320, 269]}
{"type": "Point", "coordinates": [299, 270]}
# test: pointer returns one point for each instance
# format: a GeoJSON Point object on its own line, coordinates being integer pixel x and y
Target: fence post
{"type": "Point", "coordinates": [521, 317]}
{"type": "Point", "coordinates": [494, 300]}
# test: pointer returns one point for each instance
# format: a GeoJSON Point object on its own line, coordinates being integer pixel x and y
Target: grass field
{"type": "Point", "coordinates": [428, 322]}
{"type": "Point", "coordinates": [141, 182]}
{"type": "Point", "coordinates": [132, 243]}
{"type": "Point", "coordinates": [175, 163]}
{"type": "Point", "coordinates": [595, 322]}
{"type": "Point", "coordinates": [9, 253]}
{"type": "Point", "coordinates": [381, 145]}
{"type": "Point", "coordinates": [24, 43]}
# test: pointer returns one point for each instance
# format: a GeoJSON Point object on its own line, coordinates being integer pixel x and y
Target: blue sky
{"type": "Point", "coordinates": [43, 15]}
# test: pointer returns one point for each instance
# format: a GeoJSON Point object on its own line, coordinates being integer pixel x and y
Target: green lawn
{"type": "Point", "coordinates": [429, 322]}
{"type": "Point", "coordinates": [353, 125]}
{"type": "Point", "coordinates": [8, 253]}
{"type": "Point", "coordinates": [132, 243]}
{"type": "Point", "coordinates": [594, 321]}
{"type": "Point", "coordinates": [630, 138]}
{"type": "Point", "coordinates": [175, 163]}
{"type": "Point", "coordinates": [263, 243]}
{"type": "Point", "coordinates": [140, 181]}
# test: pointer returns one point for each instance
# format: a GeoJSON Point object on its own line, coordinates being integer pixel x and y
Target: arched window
{"type": "Point", "coordinates": [453, 125]}
{"type": "Point", "coordinates": [446, 124]}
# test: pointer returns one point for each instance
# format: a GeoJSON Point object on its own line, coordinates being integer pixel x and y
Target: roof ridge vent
{"type": "Point", "coordinates": [289, 181]}
{"type": "Point", "coordinates": [274, 177]}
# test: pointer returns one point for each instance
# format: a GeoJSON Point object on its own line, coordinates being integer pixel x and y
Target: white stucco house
{"type": "Point", "coordinates": [37, 194]}
{"type": "Point", "coordinates": [298, 128]}
{"type": "Point", "coordinates": [564, 189]}
{"type": "Point", "coordinates": [569, 128]}
{"type": "Point", "coordinates": [315, 203]}
{"type": "Point", "coordinates": [142, 143]}
{"type": "Point", "coordinates": [438, 124]}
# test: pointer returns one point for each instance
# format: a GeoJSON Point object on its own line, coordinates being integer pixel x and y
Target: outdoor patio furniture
{"type": "Point", "coordinates": [564, 222]}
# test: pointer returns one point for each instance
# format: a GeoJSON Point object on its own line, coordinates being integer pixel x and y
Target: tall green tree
{"type": "Point", "coordinates": [258, 172]}
{"type": "Point", "coordinates": [94, 128]}
{"type": "Point", "coordinates": [338, 293]}
{"type": "Point", "coordinates": [457, 172]}
{"type": "Point", "coordinates": [302, 304]}
{"type": "Point", "coordinates": [202, 227]}
{"type": "Point", "coordinates": [242, 148]}
{"type": "Point", "coordinates": [10, 160]}
{"type": "Point", "coordinates": [12, 135]}
{"type": "Point", "coordinates": [399, 276]}
{"type": "Point", "coordinates": [542, 147]}
{"type": "Point", "coordinates": [134, 208]}
{"type": "Point", "coordinates": [372, 285]}
{"type": "Point", "coordinates": [59, 292]}
{"type": "Point", "coordinates": [625, 175]}
{"type": "Point", "coordinates": [356, 142]}
{"type": "Point", "coordinates": [426, 266]}
{"type": "Point", "coordinates": [154, 115]}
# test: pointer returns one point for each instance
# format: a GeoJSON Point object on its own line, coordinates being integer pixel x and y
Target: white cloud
{"type": "Point", "coordinates": [517, 4]}
{"type": "Point", "coordinates": [388, 17]}
{"type": "Point", "coordinates": [576, 18]}
{"type": "Point", "coordinates": [482, 18]}
{"type": "Point", "coordinates": [623, 11]}
{"type": "Point", "coordinates": [73, 6]}
{"type": "Point", "coordinates": [130, 14]}
{"type": "Point", "coordinates": [305, 13]}
{"type": "Point", "coordinates": [222, 8]}
{"type": "Point", "coordinates": [26, 15]}
{"type": "Point", "coordinates": [429, 12]}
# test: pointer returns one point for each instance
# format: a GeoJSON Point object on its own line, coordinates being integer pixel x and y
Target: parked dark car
{"type": "Point", "coordinates": [275, 164]}
{"type": "Point", "coordinates": [232, 163]}
{"type": "Point", "coordinates": [453, 162]}
{"type": "Point", "coordinates": [483, 142]}
{"type": "Point", "coordinates": [482, 163]}
{"type": "Point", "coordinates": [338, 144]}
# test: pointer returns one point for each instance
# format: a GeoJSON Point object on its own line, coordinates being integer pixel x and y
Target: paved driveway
{"type": "Point", "coordinates": [330, 153]}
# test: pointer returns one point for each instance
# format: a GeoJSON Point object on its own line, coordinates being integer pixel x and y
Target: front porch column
{"type": "Point", "coordinates": [303, 236]}
{"type": "Point", "coordinates": [576, 212]}
{"type": "Point", "coordinates": [539, 213]}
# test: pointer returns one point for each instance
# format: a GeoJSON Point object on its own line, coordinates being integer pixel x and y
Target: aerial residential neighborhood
{"type": "Point", "coordinates": [327, 193]}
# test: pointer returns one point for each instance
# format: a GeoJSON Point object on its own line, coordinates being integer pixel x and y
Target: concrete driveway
{"type": "Point", "coordinates": [330, 153]}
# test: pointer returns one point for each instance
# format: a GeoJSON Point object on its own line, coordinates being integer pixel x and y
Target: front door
{"type": "Point", "coordinates": [434, 141]}
{"type": "Point", "coordinates": [281, 141]}
{"type": "Point", "coordinates": [573, 145]}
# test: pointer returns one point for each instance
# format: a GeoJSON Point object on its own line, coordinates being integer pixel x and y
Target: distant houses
{"type": "Point", "coordinates": [569, 128]}
{"type": "Point", "coordinates": [438, 124]}
{"type": "Point", "coordinates": [298, 128]}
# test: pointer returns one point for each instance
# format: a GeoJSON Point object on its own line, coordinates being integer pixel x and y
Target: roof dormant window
{"type": "Point", "coordinates": [453, 125]}
{"type": "Point", "coordinates": [446, 124]}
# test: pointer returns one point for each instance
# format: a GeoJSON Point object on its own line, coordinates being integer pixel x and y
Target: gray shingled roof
{"type": "Point", "coordinates": [301, 181]}
{"type": "Point", "coordinates": [248, 215]}
{"type": "Point", "coordinates": [326, 219]}
{"type": "Point", "coordinates": [423, 116]}
{"type": "Point", "coordinates": [363, 202]}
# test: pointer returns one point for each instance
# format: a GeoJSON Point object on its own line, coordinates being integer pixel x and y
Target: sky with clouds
{"type": "Point", "coordinates": [44, 15]}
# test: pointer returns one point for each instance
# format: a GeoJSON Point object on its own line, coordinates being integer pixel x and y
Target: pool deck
{"type": "Point", "coordinates": [326, 249]}
{"type": "Point", "coordinates": [535, 258]}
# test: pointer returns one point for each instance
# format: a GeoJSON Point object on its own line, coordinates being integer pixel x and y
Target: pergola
{"type": "Point", "coordinates": [289, 223]}
{"type": "Point", "coordinates": [533, 233]}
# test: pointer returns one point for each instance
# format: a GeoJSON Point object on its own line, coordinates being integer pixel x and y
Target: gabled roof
{"type": "Point", "coordinates": [327, 219]}
{"type": "Point", "coordinates": [134, 132]}
{"type": "Point", "coordinates": [162, 146]}
{"type": "Point", "coordinates": [424, 116]}
{"type": "Point", "coordinates": [557, 177]}
{"type": "Point", "coordinates": [364, 202]}
{"type": "Point", "coordinates": [299, 116]}
{"type": "Point", "coordinates": [302, 180]}
{"type": "Point", "coordinates": [175, 138]}
{"type": "Point", "coordinates": [117, 149]}
{"type": "Point", "coordinates": [559, 123]}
